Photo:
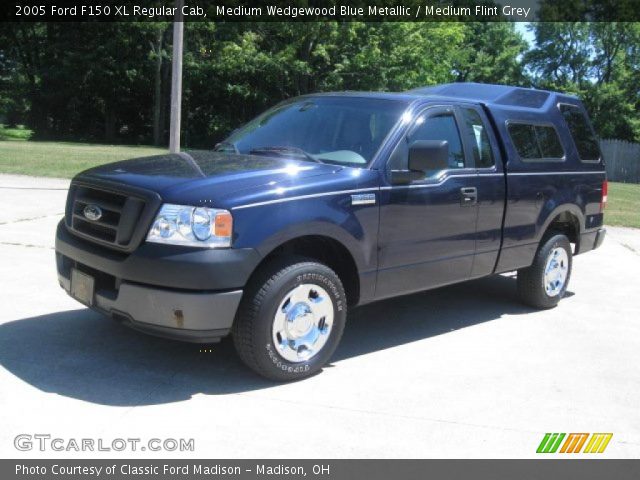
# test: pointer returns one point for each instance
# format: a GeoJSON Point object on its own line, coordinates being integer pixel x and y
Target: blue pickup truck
{"type": "Point", "coordinates": [330, 201]}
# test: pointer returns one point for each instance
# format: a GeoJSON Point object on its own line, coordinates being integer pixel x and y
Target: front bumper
{"type": "Point", "coordinates": [152, 289]}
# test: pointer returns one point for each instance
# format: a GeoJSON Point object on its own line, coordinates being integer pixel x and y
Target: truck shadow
{"type": "Point", "coordinates": [80, 354]}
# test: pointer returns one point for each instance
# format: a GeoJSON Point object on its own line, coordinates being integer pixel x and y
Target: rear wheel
{"type": "Point", "coordinates": [291, 319]}
{"type": "Point", "coordinates": [545, 282]}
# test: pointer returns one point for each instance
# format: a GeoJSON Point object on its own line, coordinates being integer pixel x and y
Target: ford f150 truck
{"type": "Point", "coordinates": [334, 200]}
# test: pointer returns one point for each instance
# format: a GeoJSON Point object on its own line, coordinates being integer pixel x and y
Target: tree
{"type": "Point", "coordinates": [110, 81]}
{"type": "Point", "coordinates": [491, 53]}
{"type": "Point", "coordinates": [599, 62]}
{"type": "Point", "coordinates": [562, 53]}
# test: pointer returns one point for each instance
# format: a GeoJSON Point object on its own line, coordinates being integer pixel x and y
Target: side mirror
{"type": "Point", "coordinates": [428, 155]}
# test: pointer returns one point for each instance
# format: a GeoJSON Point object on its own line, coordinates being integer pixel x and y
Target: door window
{"type": "Point", "coordinates": [482, 153]}
{"type": "Point", "coordinates": [441, 126]}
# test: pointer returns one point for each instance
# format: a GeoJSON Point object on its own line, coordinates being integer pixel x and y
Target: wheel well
{"type": "Point", "coordinates": [328, 251]}
{"type": "Point", "coordinates": [568, 224]}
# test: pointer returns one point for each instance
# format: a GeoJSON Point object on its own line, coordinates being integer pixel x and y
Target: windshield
{"type": "Point", "coordinates": [341, 130]}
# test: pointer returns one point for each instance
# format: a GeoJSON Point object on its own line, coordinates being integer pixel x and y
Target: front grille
{"type": "Point", "coordinates": [125, 214]}
{"type": "Point", "coordinates": [111, 204]}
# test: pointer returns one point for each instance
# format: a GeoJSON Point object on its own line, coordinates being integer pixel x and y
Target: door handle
{"type": "Point", "coordinates": [468, 196]}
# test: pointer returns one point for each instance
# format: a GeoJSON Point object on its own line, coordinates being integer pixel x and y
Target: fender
{"type": "Point", "coordinates": [545, 219]}
{"type": "Point", "coordinates": [355, 227]}
{"type": "Point", "coordinates": [521, 255]}
{"type": "Point", "coordinates": [364, 254]}
{"type": "Point", "coordinates": [321, 229]}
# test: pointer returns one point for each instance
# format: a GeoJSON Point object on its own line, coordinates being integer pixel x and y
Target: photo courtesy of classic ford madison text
{"type": "Point", "coordinates": [322, 240]}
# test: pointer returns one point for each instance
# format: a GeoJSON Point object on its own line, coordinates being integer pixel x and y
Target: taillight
{"type": "Point", "coordinates": [605, 189]}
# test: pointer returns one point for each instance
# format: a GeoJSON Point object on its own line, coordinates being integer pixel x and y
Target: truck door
{"type": "Point", "coordinates": [427, 235]}
{"type": "Point", "coordinates": [490, 187]}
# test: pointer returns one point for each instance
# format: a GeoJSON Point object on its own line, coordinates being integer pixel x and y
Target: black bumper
{"type": "Point", "coordinates": [175, 292]}
{"type": "Point", "coordinates": [591, 240]}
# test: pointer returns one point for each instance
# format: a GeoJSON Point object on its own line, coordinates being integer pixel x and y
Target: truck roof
{"type": "Point", "coordinates": [502, 96]}
{"type": "Point", "coordinates": [499, 95]}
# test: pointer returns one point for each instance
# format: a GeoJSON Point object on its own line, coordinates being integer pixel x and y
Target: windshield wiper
{"type": "Point", "coordinates": [224, 145]}
{"type": "Point", "coordinates": [283, 150]}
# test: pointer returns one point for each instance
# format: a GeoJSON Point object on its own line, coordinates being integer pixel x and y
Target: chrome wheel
{"type": "Point", "coordinates": [303, 322]}
{"type": "Point", "coordinates": [555, 271]}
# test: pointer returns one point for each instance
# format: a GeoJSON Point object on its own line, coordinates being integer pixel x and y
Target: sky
{"type": "Point", "coordinates": [528, 36]}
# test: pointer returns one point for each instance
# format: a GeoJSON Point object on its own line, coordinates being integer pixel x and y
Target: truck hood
{"type": "Point", "coordinates": [211, 175]}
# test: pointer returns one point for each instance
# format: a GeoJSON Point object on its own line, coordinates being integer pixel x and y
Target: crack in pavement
{"type": "Point", "coordinates": [34, 188]}
{"type": "Point", "coordinates": [629, 247]}
{"type": "Point", "coordinates": [27, 245]}
{"type": "Point", "coordinates": [9, 222]}
{"type": "Point", "coordinates": [391, 414]}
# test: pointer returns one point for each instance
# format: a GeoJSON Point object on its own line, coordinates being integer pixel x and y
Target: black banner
{"type": "Point", "coordinates": [310, 10]}
{"type": "Point", "coordinates": [320, 469]}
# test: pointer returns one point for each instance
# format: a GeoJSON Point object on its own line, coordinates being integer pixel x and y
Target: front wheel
{"type": "Point", "coordinates": [545, 282]}
{"type": "Point", "coordinates": [291, 319]}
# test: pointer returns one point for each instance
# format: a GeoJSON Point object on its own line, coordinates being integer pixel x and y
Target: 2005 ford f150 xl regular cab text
{"type": "Point", "coordinates": [334, 200]}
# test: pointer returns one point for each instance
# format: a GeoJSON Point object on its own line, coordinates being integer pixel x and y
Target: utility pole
{"type": "Point", "coordinates": [176, 79]}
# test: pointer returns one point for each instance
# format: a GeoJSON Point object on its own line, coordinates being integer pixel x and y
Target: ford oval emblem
{"type": "Point", "coordinates": [92, 212]}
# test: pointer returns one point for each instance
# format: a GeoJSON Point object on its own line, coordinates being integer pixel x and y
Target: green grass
{"type": "Point", "coordinates": [18, 133]}
{"type": "Point", "coordinates": [623, 205]}
{"type": "Point", "coordinates": [62, 159]}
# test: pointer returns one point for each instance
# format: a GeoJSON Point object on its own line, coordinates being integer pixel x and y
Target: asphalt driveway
{"type": "Point", "coordinates": [462, 371]}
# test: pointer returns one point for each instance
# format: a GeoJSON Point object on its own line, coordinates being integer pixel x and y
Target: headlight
{"type": "Point", "coordinates": [192, 226]}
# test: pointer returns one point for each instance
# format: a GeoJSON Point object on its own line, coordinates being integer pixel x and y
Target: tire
{"type": "Point", "coordinates": [536, 290]}
{"type": "Point", "coordinates": [287, 298]}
